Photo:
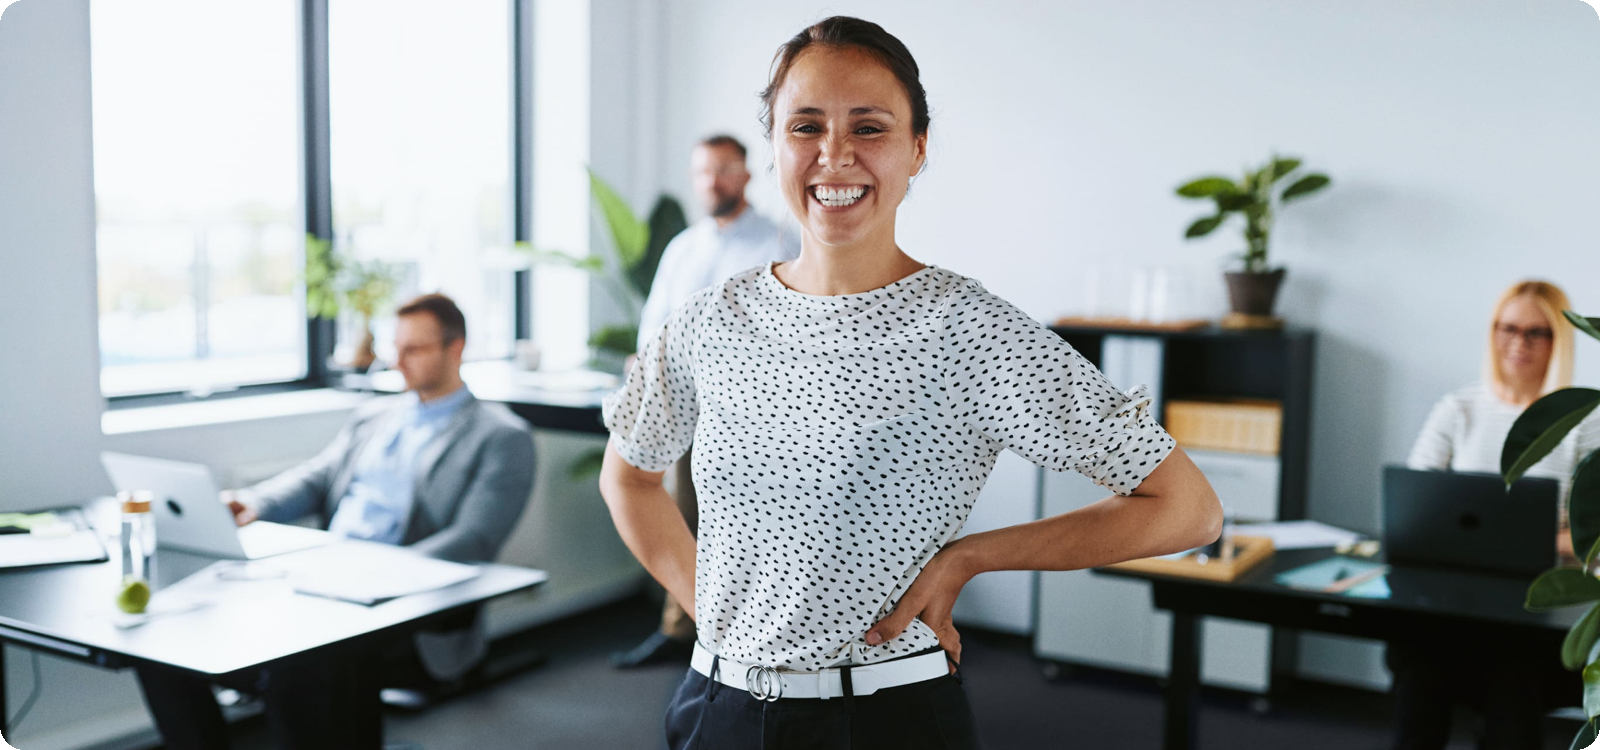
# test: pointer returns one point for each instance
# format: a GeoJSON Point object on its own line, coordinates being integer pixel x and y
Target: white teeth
{"type": "Point", "coordinates": [835, 197]}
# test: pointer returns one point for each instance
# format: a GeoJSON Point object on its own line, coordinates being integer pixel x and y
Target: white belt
{"type": "Point", "coordinates": [771, 683]}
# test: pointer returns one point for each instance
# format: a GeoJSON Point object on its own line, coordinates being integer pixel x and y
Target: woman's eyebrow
{"type": "Point", "coordinates": [869, 110]}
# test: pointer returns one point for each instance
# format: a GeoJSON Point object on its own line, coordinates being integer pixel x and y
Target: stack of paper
{"type": "Point", "coordinates": [368, 573]}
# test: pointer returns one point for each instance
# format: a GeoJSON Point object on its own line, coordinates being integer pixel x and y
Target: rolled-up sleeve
{"type": "Point", "coordinates": [652, 417]}
{"type": "Point", "coordinates": [1024, 387]}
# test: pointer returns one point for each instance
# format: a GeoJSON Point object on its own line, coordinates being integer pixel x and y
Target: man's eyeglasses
{"type": "Point", "coordinates": [1530, 336]}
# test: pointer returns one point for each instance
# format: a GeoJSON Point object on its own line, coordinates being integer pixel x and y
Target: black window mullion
{"type": "Point", "coordinates": [522, 156]}
{"type": "Point", "coordinates": [318, 169]}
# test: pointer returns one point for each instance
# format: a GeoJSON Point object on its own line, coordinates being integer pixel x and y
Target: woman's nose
{"type": "Point", "coordinates": [837, 152]}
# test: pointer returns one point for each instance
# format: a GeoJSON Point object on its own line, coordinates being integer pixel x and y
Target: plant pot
{"type": "Point", "coordinates": [1253, 294]}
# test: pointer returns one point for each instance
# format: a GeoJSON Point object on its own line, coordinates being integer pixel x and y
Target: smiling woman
{"type": "Point", "coordinates": [846, 408]}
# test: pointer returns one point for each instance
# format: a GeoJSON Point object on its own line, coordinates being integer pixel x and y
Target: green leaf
{"type": "Point", "coordinates": [1586, 734]}
{"type": "Point", "coordinates": [1541, 427]}
{"type": "Point", "coordinates": [1282, 167]}
{"type": "Point", "coordinates": [1590, 326]}
{"type": "Point", "coordinates": [1575, 647]}
{"type": "Point", "coordinates": [1234, 202]}
{"type": "Point", "coordinates": [1591, 690]}
{"type": "Point", "coordinates": [587, 465]}
{"type": "Point", "coordinates": [590, 263]}
{"type": "Point", "coordinates": [1203, 227]}
{"type": "Point", "coordinates": [1561, 587]}
{"type": "Point", "coordinates": [1206, 187]}
{"type": "Point", "coordinates": [1308, 184]}
{"type": "Point", "coordinates": [628, 234]}
{"type": "Point", "coordinates": [620, 339]}
{"type": "Point", "coordinates": [1583, 507]}
{"type": "Point", "coordinates": [667, 220]}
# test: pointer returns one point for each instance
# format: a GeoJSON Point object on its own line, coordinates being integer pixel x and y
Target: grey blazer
{"type": "Point", "coordinates": [473, 480]}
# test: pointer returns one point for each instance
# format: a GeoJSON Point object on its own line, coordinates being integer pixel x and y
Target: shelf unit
{"type": "Point", "coordinates": [1081, 618]}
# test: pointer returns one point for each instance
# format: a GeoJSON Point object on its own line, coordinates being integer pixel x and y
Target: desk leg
{"type": "Point", "coordinates": [1183, 683]}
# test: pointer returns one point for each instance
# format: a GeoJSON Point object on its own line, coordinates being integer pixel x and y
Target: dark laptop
{"type": "Point", "coordinates": [1469, 520]}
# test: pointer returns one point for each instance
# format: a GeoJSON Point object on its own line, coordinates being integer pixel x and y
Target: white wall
{"type": "Point", "coordinates": [1460, 134]}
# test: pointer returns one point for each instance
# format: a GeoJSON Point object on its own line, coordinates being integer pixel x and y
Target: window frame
{"type": "Point", "coordinates": [317, 195]}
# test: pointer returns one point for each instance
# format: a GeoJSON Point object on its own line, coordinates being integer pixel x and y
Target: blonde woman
{"type": "Point", "coordinates": [1529, 355]}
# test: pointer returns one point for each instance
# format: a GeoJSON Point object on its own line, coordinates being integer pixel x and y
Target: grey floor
{"type": "Point", "coordinates": [575, 700]}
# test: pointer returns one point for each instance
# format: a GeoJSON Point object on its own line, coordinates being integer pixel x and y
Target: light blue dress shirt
{"type": "Point", "coordinates": [707, 253]}
{"type": "Point", "coordinates": [377, 507]}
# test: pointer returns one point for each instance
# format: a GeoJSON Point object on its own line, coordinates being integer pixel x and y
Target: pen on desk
{"type": "Point", "coordinates": [1341, 585]}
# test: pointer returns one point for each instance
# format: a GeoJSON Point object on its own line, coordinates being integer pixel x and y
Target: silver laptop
{"type": "Point", "coordinates": [189, 516]}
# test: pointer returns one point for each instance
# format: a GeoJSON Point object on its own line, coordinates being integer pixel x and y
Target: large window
{"type": "Point", "coordinates": [197, 188]}
{"type": "Point", "coordinates": [421, 150]}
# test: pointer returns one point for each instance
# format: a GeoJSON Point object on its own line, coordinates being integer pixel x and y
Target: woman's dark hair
{"type": "Point", "coordinates": [844, 31]}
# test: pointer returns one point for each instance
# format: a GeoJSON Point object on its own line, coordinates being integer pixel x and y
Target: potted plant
{"type": "Point", "coordinates": [636, 248]}
{"type": "Point", "coordinates": [1535, 433]}
{"type": "Point", "coordinates": [1252, 290]}
{"type": "Point", "coordinates": [363, 287]}
{"type": "Point", "coordinates": [626, 275]}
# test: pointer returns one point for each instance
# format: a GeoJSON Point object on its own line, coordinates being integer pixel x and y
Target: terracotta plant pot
{"type": "Point", "coordinates": [1253, 293]}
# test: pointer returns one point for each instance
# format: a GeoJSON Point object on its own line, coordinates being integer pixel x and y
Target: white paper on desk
{"type": "Point", "coordinates": [368, 573]}
{"type": "Point", "coordinates": [23, 550]}
{"type": "Point", "coordinates": [1298, 534]}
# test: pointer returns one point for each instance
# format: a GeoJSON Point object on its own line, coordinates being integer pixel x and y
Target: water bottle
{"type": "Point", "coordinates": [138, 535]}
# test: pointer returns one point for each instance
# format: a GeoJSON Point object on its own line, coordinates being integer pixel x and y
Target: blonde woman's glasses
{"type": "Point", "coordinates": [1531, 336]}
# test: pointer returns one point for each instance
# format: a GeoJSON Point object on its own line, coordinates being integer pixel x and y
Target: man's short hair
{"type": "Point", "coordinates": [723, 139]}
{"type": "Point", "coordinates": [443, 310]}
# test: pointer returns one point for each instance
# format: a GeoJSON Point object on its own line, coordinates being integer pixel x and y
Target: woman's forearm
{"type": "Point", "coordinates": [1174, 510]}
{"type": "Point", "coordinates": [650, 523]}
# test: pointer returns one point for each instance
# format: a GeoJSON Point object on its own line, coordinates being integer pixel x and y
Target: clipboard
{"type": "Point", "coordinates": [48, 537]}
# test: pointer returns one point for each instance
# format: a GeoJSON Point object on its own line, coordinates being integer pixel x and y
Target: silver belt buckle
{"type": "Point", "coordinates": [764, 683]}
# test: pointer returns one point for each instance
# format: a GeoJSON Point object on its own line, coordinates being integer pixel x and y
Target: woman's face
{"type": "Point", "coordinates": [1522, 339]}
{"type": "Point", "coordinates": [843, 147]}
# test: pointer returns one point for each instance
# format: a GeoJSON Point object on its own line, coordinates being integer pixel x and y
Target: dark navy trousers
{"type": "Point", "coordinates": [928, 715]}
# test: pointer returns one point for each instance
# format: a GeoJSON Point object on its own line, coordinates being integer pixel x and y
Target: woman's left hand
{"type": "Point", "coordinates": [930, 598]}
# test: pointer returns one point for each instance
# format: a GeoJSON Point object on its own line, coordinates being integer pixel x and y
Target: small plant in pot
{"type": "Point", "coordinates": [363, 287]}
{"type": "Point", "coordinates": [1253, 290]}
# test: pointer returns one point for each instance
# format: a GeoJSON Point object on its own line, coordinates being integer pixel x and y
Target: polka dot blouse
{"type": "Point", "coordinates": [839, 442]}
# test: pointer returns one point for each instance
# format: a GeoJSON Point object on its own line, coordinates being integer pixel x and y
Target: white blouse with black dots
{"type": "Point", "coordinates": [839, 442]}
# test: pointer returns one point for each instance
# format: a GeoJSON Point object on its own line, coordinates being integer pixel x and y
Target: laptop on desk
{"type": "Point", "coordinates": [189, 516]}
{"type": "Point", "coordinates": [1469, 520]}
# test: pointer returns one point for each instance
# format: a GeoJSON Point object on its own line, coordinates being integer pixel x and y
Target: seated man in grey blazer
{"type": "Point", "coordinates": [433, 469]}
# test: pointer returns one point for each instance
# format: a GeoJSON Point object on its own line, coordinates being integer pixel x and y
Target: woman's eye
{"type": "Point", "coordinates": [868, 130]}
{"type": "Point", "coordinates": [805, 128]}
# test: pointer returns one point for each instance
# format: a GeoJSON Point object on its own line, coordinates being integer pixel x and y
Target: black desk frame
{"type": "Point", "coordinates": [1256, 599]}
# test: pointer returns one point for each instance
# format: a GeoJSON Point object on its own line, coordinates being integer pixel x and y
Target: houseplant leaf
{"type": "Point", "coordinates": [619, 339]}
{"type": "Point", "coordinates": [1541, 427]}
{"type": "Point", "coordinates": [629, 235]}
{"type": "Point", "coordinates": [1308, 184]}
{"type": "Point", "coordinates": [1585, 736]}
{"type": "Point", "coordinates": [1282, 167]}
{"type": "Point", "coordinates": [587, 465]}
{"type": "Point", "coordinates": [1561, 587]}
{"type": "Point", "coordinates": [667, 220]}
{"type": "Point", "coordinates": [590, 263]}
{"type": "Point", "coordinates": [1591, 690]}
{"type": "Point", "coordinates": [1233, 201]}
{"type": "Point", "coordinates": [1575, 647]}
{"type": "Point", "coordinates": [1203, 227]}
{"type": "Point", "coordinates": [1583, 507]}
{"type": "Point", "coordinates": [1206, 187]}
{"type": "Point", "coordinates": [1590, 326]}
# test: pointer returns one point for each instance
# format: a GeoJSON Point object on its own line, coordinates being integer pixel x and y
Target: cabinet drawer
{"type": "Point", "coordinates": [1247, 485]}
